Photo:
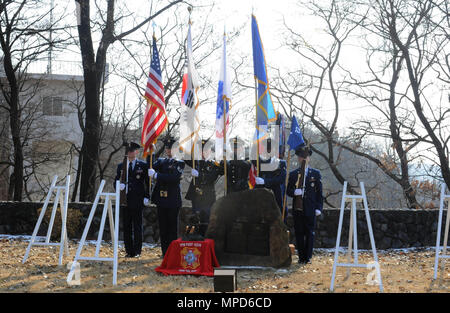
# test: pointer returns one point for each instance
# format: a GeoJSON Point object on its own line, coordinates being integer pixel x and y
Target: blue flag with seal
{"type": "Point", "coordinates": [265, 112]}
{"type": "Point", "coordinates": [295, 136]}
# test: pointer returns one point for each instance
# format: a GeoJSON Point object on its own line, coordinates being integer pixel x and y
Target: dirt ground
{"type": "Point", "coordinates": [401, 272]}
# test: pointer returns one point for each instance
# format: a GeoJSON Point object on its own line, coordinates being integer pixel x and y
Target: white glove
{"type": "Point", "coordinates": [146, 202]}
{"type": "Point", "coordinates": [122, 187]}
{"type": "Point", "coordinates": [318, 212]}
{"type": "Point", "coordinates": [298, 192]}
{"type": "Point", "coordinates": [194, 172]}
{"type": "Point", "coordinates": [151, 173]}
{"type": "Point", "coordinates": [259, 181]}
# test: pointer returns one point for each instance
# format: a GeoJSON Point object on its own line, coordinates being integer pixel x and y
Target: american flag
{"type": "Point", "coordinates": [155, 119]}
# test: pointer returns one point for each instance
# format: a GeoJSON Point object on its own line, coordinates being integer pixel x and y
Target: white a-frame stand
{"type": "Point", "coordinates": [113, 226]}
{"type": "Point", "coordinates": [62, 197]}
{"type": "Point", "coordinates": [444, 255]}
{"type": "Point", "coordinates": [353, 238]}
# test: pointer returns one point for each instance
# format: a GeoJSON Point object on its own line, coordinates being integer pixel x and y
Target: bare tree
{"type": "Point", "coordinates": [380, 89]}
{"type": "Point", "coordinates": [94, 72]}
{"type": "Point", "coordinates": [23, 25]}
{"type": "Point", "coordinates": [303, 89]}
{"type": "Point", "coordinates": [418, 30]}
{"type": "Point", "coordinates": [171, 42]}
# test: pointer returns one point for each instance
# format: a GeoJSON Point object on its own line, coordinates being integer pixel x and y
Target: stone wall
{"type": "Point", "coordinates": [19, 218]}
{"type": "Point", "coordinates": [393, 228]}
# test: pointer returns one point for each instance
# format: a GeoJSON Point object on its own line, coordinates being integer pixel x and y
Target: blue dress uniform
{"type": "Point", "coordinates": [274, 180]}
{"type": "Point", "coordinates": [166, 196]}
{"type": "Point", "coordinates": [237, 175]}
{"type": "Point", "coordinates": [237, 169]}
{"type": "Point", "coordinates": [305, 220]}
{"type": "Point", "coordinates": [132, 213]}
{"type": "Point", "coordinates": [203, 193]}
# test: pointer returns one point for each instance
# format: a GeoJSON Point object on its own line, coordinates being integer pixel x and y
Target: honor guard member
{"type": "Point", "coordinates": [305, 220]}
{"type": "Point", "coordinates": [274, 178]}
{"type": "Point", "coordinates": [137, 197]}
{"type": "Point", "coordinates": [202, 193]}
{"type": "Point", "coordinates": [237, 168]}
{"type": "Point", "coordinates": [166, 195]}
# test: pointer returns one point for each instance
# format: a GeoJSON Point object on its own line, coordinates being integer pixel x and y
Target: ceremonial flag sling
{"type": "Point", "coordinates": [189, 101]}
{"type": "Point", "coordinates": [222, 111]}
{"type": "Point", "coordinates": [252, 177]}
{"type": "Point", "coordinates": [265, 112]}
{"type": "Point", "coordinates": [295, 139]}
{"type": "Point", "coordinates": [155, 118]}
{"type": "Point", "coordinates": [282, 129]}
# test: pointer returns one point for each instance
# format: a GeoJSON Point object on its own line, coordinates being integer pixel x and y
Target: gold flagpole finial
{"type": "Point", "coordinates": [190, 8]}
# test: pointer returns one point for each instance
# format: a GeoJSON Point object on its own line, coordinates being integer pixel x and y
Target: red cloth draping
{"type": "Point", "coordinates": [189, 258]}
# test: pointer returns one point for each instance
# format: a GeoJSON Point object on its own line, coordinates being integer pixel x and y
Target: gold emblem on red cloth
{"type": "Point", "coordinates": [190, 258]}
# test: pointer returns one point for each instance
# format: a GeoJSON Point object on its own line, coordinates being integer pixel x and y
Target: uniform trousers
{"type": "Point", "coordinates": [304, 234]}
{"type": "Point", "coordinates": [132, 227]}
{"type": "Point", "coordinates": [168, 226]}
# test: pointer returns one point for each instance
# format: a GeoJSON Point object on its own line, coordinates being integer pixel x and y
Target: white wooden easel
{"type": "Point", "coordinates": [353, 238]}
{"type": "Point", "coordinates": [113, 226]}
{"type": "Point", "coordinates": [444, 255]}
{"type": "Point", "coordinates": [62, 197]}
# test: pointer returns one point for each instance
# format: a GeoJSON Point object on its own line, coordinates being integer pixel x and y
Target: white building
{"type": "Point", "coordinates": [52, 100]}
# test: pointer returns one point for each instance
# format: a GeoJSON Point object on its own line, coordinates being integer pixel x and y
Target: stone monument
{"type": "Point", "coordinates": [248, 231]}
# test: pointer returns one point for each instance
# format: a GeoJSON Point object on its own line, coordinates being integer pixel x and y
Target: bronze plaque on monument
{"type": "Point", "coordinates": [247, 230]}
{"type": "Point", "coordinates": [258, 239]}
{"type": "Point", "coordinates": [234, 239]}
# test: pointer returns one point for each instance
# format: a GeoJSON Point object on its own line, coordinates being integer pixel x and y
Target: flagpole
{"type": "Point", "coordinates": [286, 183]}
{"type": "Point", "coordinates": [150, 158]}
{"type": "Point", "coordinates": [195, 136]}
{"type": "Point", "coordinates": [257, 130]}
{"type": "Point", "coordinates": [224, 146]}
{"type": "Point", "coordinates": [224, 118]}
{"type": "Point", "coordinates": [151, 166]}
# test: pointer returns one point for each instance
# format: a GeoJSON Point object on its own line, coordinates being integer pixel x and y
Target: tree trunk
{"type": "Point", "coordinates": [415, 82]}
{"type": "Point", "coordinates": [90, 153]}
{"type": "Point", "coordinates": [14, 121]}
{"type": "Point", "coordinates": [408, 191]}
{"type": "Point", "coordinates": [91, 138]}
{"type": "Point", "coordinates": [18, 158]}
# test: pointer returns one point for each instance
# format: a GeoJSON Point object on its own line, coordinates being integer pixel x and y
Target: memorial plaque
{"type": "Point", "coordinates": [234, 239]}
{"type": "Point", "coordinates": [258, 239]}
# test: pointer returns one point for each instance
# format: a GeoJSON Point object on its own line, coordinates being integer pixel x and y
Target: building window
{"type": "Point", "coordinates": [52, 106]}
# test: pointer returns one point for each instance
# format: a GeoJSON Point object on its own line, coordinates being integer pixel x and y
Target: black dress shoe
{"type": "Point", "coordinates": [137, 256]}
{"type": "Point", "coordinates": [129, 255]}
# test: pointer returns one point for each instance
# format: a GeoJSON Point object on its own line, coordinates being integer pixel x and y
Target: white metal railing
{"type": "Point", "coordinates": [59, 67]}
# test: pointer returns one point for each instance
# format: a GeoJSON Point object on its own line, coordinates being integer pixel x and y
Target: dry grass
{"type": "Point", "coordinates": [402, 272]}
